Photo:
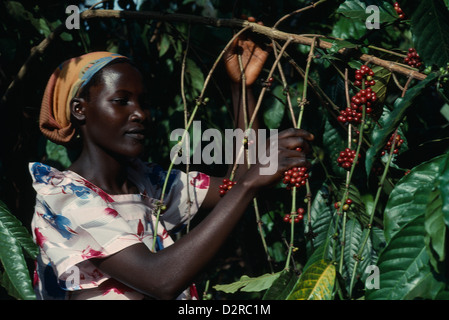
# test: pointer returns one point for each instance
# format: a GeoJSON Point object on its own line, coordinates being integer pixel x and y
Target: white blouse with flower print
{"type": "Point", "coordinates": [75, 220]}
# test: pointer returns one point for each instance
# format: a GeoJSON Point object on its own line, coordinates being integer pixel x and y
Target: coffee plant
{"type": "Point", "coordinates": [367, 221]}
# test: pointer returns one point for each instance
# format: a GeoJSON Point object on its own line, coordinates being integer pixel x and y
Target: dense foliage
{"type": "Point", "coordinates": [384, 207]}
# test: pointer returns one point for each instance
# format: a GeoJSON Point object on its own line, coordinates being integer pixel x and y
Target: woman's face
{"type": "Point", "coordinates": [115, 118]}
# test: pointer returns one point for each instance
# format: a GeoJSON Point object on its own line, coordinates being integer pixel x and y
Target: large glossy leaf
{"type": "Point", "coordinates": [380, 137]}
{"type": "Point", "coordinates": [435, 228]}
{"type": "Point", "coordinates": [321, 223]}
{"type": "Point", "coordinates": [354, 236]}
{"type": "Point", "coordinates": [320, 253]}
{"type": "Point", "coordinates": [430, 29]}
{"type": "Point", "coordinates": [443, 186]}
{"type": "Point", "coordinates": [316, 283]}
{"type": "Point", "coordinates": [410, 196]}
{"type": "Point", "coordinates": [15, 228]}
{"type": "Point", "coordinates": [404, 267]}
{"type": "Point", "coordinates": [282, 286]}
{"type": "Point", "coordinates": [13, 236]}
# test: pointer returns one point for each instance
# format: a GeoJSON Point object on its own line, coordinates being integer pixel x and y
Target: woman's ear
{"type": "Point", "coordinates": [77, 108]}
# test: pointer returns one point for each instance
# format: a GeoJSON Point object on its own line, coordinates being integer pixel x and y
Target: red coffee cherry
{"type": "Point", "coordinates": [364, 75]}
{"type": "Point", "coordinates": [227, 185]}
{"type": "Point", "coordinates": [413, 59]}
{"type": "Point", "coordinates": [346, 158]}
{"type": "Point", "coordinates": [296, 176]}
{"type": "Point", "coordinates": [387, 147]}
{"type": "Point", "coordinates": [399, 11]}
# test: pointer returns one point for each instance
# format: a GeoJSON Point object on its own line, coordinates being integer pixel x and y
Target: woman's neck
{"type": "Point", "coordinates": [107, 171]}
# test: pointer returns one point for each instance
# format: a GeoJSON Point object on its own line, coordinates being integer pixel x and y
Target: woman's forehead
{"type": "Point", "coordinates": [122, 75]}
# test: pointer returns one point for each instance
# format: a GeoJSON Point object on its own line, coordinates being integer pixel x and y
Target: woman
{"type": "Point", "coordinates": [94, 222]}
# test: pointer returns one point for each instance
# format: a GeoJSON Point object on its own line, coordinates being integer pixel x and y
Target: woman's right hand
{"type": "Point", "coordinates": [269, 171]}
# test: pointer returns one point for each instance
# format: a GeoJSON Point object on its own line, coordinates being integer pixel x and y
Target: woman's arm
{"type": "Point", "coordinates": [163, 275]}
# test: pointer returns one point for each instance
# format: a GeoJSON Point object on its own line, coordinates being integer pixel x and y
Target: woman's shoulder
{"type": "Point", "coordinates": [48, 181]}
{"type": "Point", "coordinates": [43, 173]}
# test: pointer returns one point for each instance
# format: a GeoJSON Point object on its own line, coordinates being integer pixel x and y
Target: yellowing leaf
{"type": "Point", "coordinates": [316, 283]}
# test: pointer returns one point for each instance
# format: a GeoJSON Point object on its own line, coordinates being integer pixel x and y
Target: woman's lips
{"type": "Point", "coordinates": [137, 133]}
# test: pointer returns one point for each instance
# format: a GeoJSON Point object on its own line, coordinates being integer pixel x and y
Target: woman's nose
{"type": "Point", "coordinates": [138, 114]}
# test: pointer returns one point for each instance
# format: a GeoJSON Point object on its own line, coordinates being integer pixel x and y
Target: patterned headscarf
{"type": "Point", "coordinates": [64, 84]}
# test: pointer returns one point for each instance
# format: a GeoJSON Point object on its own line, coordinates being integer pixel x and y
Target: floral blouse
{"type": "Point", "coordinates": [75, 220]}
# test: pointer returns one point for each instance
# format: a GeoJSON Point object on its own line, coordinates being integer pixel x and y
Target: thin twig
{"type": "Point", "coordinates": [186, 119]}
{"type": "Point", "coordinates": [264, 89]}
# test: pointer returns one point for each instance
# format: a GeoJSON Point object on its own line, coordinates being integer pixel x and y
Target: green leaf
{"type": "Point", "coordinates": [194, 78]}
{"type": "Point", "coordinates": [404, 267]}
{"type": "Point", "coordinates": [282, 286]}
{"type": "Point", "coordinates": [13, 236]}
{"type": "Point", "coordinates": [20, 233]}
{"type": "Point", "coordinates": [356, 9]}
{"type": "Point", "coordinates": [443, 186]}
{"type": "Point", "coordinates": [410, 196]}
{"type": "Point", "coordinates": [346, 28]}
{"type": "Point", "coordinates": [18, 11]}
{"type": "Point", "coordinates": [354, 236]}
{"type": "Point", "coordinates": [435, 228]}
{"type": "Point", "coordinates": [316, 283]}
{"type": "Point", "coordinates": [337, 45]}
{"type": "Point", "coordinates": [430, 29]}
{"type": "Point", "coordinates": [380, 137]}
{"type": "Point", "coordinates": [275, 111]}
{"type": "Point", "coordinates": [248, 284]}
{"type": "Point", "coordinates": [58, 153]}
{"type": "Point", "coordinates": [277, 251]}
{"type": "Point", "coordinates": [320, 253]}
{"type": "Point", "coordinates": [334, 141]}
{"type": "Point", "coordinates": [321, 223]}
{"type": "Point", "coordinates": [164, 44]}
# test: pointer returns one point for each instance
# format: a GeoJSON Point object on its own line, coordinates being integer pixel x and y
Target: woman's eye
{"type": "Point", "coordinates": [121, 101]}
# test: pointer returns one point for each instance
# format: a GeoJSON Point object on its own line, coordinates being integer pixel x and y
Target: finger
{"type": "Point", "coordinates": [286, 163]}
{"type": "Point", "coordinates": [292, 132]}
{"type": "Point", "coordinates": [293, 143]}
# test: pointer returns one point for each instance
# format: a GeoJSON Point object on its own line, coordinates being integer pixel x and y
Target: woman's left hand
{"type": "Point", "coordinates": [254, 56]}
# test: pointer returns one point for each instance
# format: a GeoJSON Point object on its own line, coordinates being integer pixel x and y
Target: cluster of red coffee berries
{"type": "Point", "coordinates": [364, 75]}
{"type": "Point", "coordinates": [413, 59]}
{"type": "Point", "coordinates": [227, 185]}
{"type": "Point", "coordinates": [365, 97]}
{"type": "Point", "coordinates": [347, 158]}
{"type": "Point", "coordinates": [399, 11]}
{"type": "Point", "coordinates": [295, 217]}
{"type": "Point", "coordinates": [345, 207]}
{"type": "Point", "coordinates": [296, 176]}
{"type": "Point", "coordinates": [399, 142]}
